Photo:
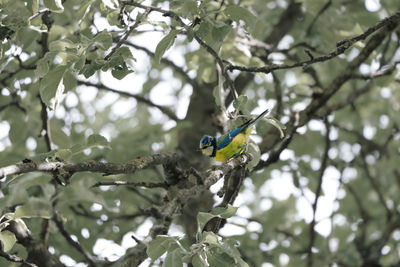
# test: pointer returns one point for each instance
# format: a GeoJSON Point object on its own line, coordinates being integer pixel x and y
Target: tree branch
{"type": "Point", "coordinates": [143, 184]}
{"type": "Point", "coordinates": [45, 132]}
{"type": "Point", "coordinates": [90, 166]}
{"type": "Point", "coordinates": [139, 98]}
{"type": "Point", "coordinates": [167, 62]}
{"type": "Point", "coordinates": [15, 258]}
{"type": "Point", "coordinates": [318, 194]}
{"type": "Point", "coordinates": [128, 32]}
{"type": "Point", "coordinates": [320, 12]}
{"type": "Point", "coordinates": [375, 186]}
{"type": "Point", "coordinates": [89, 258]}
{"type": "Point", "coordinates": [341, 47]}
{"type": "Point", "coordinates": [174, 206]}
{"type": "Point", "coordinates": [220, 62]}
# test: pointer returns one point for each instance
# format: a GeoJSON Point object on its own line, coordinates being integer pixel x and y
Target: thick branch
{"type": "Point", "coordinates": [119, 183]}
{"type": "Point", "coordinates": [90, 166]}
{"type": "Point", "coordinates": [174, 206]}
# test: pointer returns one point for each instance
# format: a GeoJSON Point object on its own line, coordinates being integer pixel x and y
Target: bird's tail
{"type": "Point", "coordinates": [250, 122]}
{"type": "Point", "coordinates": [259, 116]}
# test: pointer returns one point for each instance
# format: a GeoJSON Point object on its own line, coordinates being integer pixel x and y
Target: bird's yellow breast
{"type": "Point", "coordinates": [234, 148]}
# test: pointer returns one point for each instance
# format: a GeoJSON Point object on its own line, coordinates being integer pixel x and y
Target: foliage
{"type": "Point", "coordinates": [96, 97]}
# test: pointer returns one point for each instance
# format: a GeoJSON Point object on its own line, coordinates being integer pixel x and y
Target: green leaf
{"type": "Point", "coordinates": [202, 219]}
{"type": "Point", "coordinates": [83, 10]}
{"type": "Point", "coordinates": [210, 238]}
{"type": "Point", "coordinates": [255, 152]}
{"type": "Point", "coordinates": [221, 212]}
{"type": "Point", "coordinates": [93, 141]}
{"type": "Point", "coordinates": [63, 154]}
{"type": "Point", "coordinates": [158, 246]}
{"type": "Point", "coordinates": [17, 133]}
{"type": "Point", "coordinates": [229, 247]}
{"type": "Point", "coordinates": [80, 63]}
{"type": "Point", "coordinates": [97, 140]}
{"type": "Point", "coordinates": [57, 134]}
{"type": "Point", "coordinates": [218, 35]}
{"type": "Point", "coordinates": [69, 81]}
{"type": "Point", "coordinates": [238, 13]}
{"type": "Point", "coordinates": [277, 124]}
{"type": "Point", "coordinates": [224, 212]}
{"type": "Point", "coordinates": [119, 72]}
{"type": "Point", "coordinates": [173, 259]}
{"type": "Point", "coordinates": [42, 67]}
{"type": "Point", "coordinates": [51, 87]}
{"type": "Point", "coordinates": [218, 259]}
{"type": "Point", "coordinates": [240, 102]}
{"type": "Point", "coordinates": [35, 207]}
{"type": "Point", "coordinates": [113, 18]}
{"type": "Point", "coordinates": [8, 240]}
{"type": "Point", "coordinates": [33, 5]}
{"type": "Point", "coordinates": [198, 260]}
{"type": "Point", "coordinates": [124, 52]}
{"type": "Point", "coordinates": [164, 44]}
{"type": "Point", "coordinates": [54, 5]}
{"type": "Point", "coordinates": [189, 9]}
{"type": "Point", "coordinates": [217, 94]}
{"type": "Point", "coordinates": [90, 69]}
{"type": "Point", "coordinates": [204, 29]}
{"type": "Point", "coordinates": [61, 45]}
{"type": "Point", "coordinates": [103, 40]}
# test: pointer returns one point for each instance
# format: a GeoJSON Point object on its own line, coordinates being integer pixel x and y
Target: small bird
{"type": "Point", "coordinates": [230, 144]}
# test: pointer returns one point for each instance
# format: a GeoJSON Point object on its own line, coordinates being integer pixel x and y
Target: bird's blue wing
{"type": "Point", "coordinates": [225, 139]}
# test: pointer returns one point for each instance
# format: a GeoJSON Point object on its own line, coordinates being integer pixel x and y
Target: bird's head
{"type": "Point", "coordinates": [206, 145]}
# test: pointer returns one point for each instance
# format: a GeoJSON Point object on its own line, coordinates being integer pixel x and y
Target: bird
{"type": "Point", "coordinates": [230, 144]}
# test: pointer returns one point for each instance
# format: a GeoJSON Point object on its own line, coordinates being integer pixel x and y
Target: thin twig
{"type": "Point", "coordinates": [341, 47]}
{"type": "Point", "coordinates": [208, 48]}
{"type": "Point", "coordinates": [318, 194]}
{"type": "Point", "coordinates": [167, 62]}
{"type": "Point", "coordinates": [375, 186]}
{"type": "Point", "coordinates": [44, 10]}
{"type": "Point", "coordinates": [320, 12]}
{"type": "Point", "coordinates": [89, 258]}
{"type": "Point", "coordinates": [139, 98]}
{"type": "Point", "coordinates": [128, 32]}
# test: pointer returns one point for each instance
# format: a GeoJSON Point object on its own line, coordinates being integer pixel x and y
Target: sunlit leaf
{"type": "Point", "coordinates": [173, 259]}
{"type": "Point", "coordinates": [54, 5]}
{"type": "Point", "coordinates": [35, 207]}
{"type": "Point", "coordinates": [159, 246]}
{"type": "Point", "coordinates": [8, 240]}
{"type": "Point", "coordinates": [51, 87]}
{"type": "Point", "coordinates": [238, 13]}
{"type": "Point", "coordinates": [164, 44]}
{"type": "Point", "coordinates": [277, 125]}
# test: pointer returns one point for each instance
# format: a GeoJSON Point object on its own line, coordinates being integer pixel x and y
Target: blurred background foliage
{"type": "Point", "coordinates": [111, 81]}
